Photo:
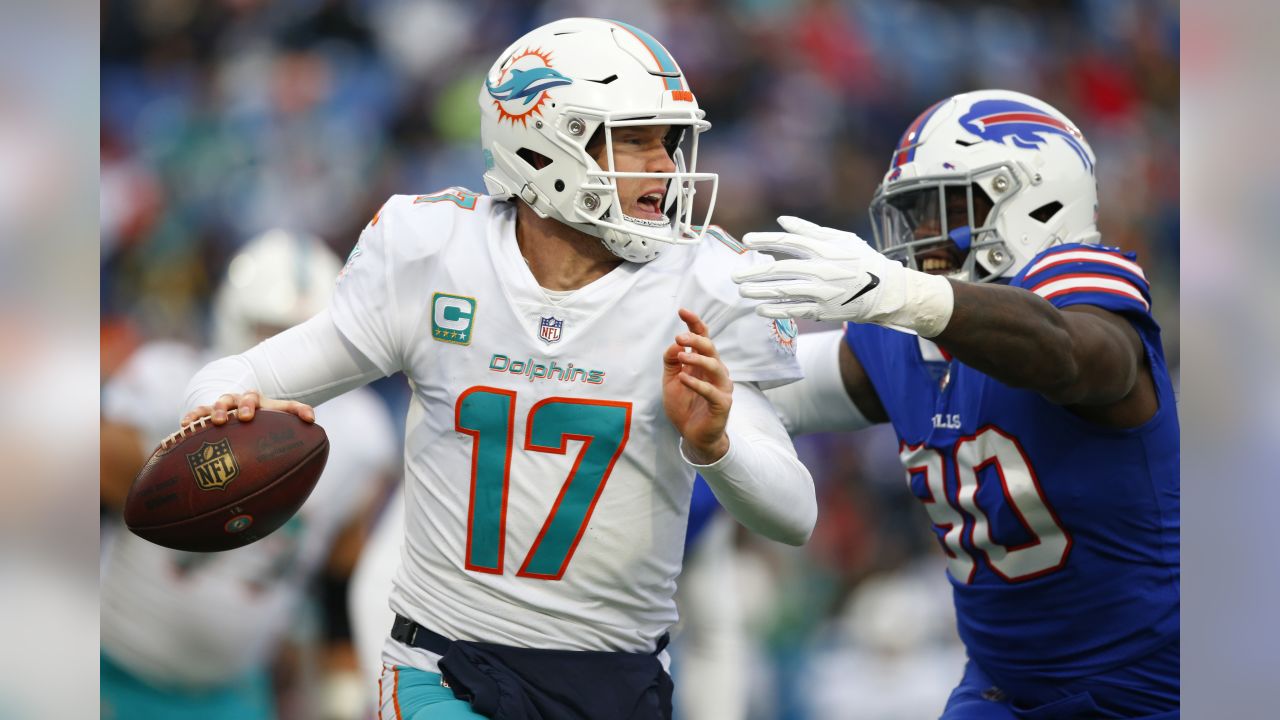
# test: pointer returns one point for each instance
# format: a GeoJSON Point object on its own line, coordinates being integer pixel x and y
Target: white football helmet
{"type": "Point", "coordinates": [982, 182]}
{"type": "Point", "coordinates": [551, 91]}
{"type": "Point", "coordinates": [275, 281]}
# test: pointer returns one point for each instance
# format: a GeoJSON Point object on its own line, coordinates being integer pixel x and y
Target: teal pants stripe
{"type": "Point", "coordinates": [125, 696]}
{"type": "Point", "coordinates": [411, 694]}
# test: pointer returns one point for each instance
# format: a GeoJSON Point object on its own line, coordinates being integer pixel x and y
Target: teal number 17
{"type": "Point", "coordinates": [488, 415]}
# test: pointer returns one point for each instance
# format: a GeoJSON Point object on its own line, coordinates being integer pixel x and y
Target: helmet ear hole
{"type": "Point", "coordinates": [1046, 212]}
{"type": "Point", "coordinates": [536, 160]}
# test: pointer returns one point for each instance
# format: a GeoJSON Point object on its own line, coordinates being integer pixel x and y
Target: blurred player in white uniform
{"type": "Point", "coordinates": [574, 347]}
{"type": "Point", "coordinates": [194, 635]}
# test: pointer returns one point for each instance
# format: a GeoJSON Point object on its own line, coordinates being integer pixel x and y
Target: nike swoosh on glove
{"type": "Point", "coordinates": [838, 276]}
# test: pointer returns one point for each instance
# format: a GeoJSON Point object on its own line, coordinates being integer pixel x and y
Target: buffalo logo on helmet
{"type": "Point", "coordinates": [522, 87]}
{"type": "Point", "coordinates": [214, 465]}
{"type": "Point", "coordinates": [1022, 124]}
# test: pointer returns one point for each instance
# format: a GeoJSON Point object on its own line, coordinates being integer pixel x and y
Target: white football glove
{"type": "Point", "coordinates": [841, 277]}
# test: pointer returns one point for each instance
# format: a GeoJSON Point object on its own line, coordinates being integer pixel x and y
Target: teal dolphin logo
{"type": "Point", "coordinates": [784, 334]}
{"type": "Point", "coordinates": [527, 84]}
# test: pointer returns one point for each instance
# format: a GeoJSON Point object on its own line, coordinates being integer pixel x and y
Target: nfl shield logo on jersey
{"type": "Point", "coordinates": [549, 330]}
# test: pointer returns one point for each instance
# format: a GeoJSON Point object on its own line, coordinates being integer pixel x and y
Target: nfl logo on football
{"type": "Point", "coordinates": [549, 330]}
{"type": "Point", "coordinates": [214, 465]}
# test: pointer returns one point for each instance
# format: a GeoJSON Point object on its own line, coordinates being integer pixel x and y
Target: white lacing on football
{"type": "Point", "coordinates": [190, 429]}
{"type": "Point", "coordinates": [184, 431]}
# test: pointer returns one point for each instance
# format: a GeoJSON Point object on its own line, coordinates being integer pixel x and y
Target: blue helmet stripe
{"type": "Point", "coordinates": [924, 121]}
{"type": "Point", "coordinates": [666, 63]}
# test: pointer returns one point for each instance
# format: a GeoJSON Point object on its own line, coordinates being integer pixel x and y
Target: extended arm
{"type": "Point", "coordinates": [1082, 357]}
{"type": "Point", "coordinates": [308, 363]}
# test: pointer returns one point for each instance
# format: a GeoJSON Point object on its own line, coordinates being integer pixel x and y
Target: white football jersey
{"type": "Point", "coordinates": [546, 499]}
{"type": "Point", "coordinates": [200, 619]}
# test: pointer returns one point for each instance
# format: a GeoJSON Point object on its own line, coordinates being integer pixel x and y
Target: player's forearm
{"type": "Point", "coordinates": [767, 491]}
{"type": "Point", "coordinates": [310, 363]}
{"type": "Point", "coordinates": [1013, 335]}
{"type": "Point", "coordinates": [760, 481]}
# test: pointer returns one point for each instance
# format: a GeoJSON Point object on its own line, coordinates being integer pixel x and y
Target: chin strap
{"type": "Point", "coordinates": [629, 247]}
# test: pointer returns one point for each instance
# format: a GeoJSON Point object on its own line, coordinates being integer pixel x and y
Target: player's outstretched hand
{"type": "Point", "coordinates": [244, 406]}
{"type": "Point", "coordinates": [697, 391]}
{"type": "Point", "coordinates": [838, 276]}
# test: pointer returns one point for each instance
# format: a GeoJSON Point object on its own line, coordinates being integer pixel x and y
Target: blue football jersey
{"type": "Point", "coordinates": [702, 507]}
{"type": "Point", "coordinates": [1061, 535]}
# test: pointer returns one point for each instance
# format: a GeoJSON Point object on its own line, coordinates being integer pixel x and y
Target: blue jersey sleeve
{"type": "Point", "coordinates": [1097, 275]}
{"type": "Point", "coordinates": [702, 506]}
{"type": "Point", "coordinates": [1079, 274]}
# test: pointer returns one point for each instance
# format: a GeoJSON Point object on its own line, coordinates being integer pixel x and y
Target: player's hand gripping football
{"type": "Point", "coordinates": [697, 391]}
{"type": "Point", "coordinates": [838, 276]}
{"type": "Point", "coordinates": [244, 405]}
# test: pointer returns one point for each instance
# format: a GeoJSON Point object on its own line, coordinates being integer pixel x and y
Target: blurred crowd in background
{"type": "Point", "coordinates": [222, 119]}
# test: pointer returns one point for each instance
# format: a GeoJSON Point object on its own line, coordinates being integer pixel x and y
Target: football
{"type": "Point", "coordinates": [208, 488]}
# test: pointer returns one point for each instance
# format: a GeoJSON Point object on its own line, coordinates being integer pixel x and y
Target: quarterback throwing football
{"type": "Point", "coordinates": [574, 345]}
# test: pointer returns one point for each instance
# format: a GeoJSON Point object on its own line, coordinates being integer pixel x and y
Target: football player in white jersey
{"type": "Point", "coordinates": [574, 345]}
{"type": "Point", "coordinates": [710, 667]}
{"type": "Point", "coordinates": [195, 635]}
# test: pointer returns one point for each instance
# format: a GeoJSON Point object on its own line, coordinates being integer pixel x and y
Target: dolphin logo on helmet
{"type": "Point", "coordinates": [522, 85]}
{"type": "Point", "coordinates": [998, 120]}
{"type": "Point", "coordinates": [527, 84]}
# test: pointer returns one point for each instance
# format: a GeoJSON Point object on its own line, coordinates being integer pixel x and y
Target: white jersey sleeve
{"type": "Point", "coordinates": [312, 363]}
{"type": "Point", "coordinates": [820, 403]}
{"type": "Point", "coordinates": [755, 349]}
{"type": "Point", "coordinates": [378, 280]}
{"type": "Point", "coordinates": [760, 481]}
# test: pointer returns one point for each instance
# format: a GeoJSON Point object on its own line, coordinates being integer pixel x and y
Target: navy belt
{"type": "Point", "coordinates": [410, 633]}
{"type": "Point", "coordinates": [414, 635]}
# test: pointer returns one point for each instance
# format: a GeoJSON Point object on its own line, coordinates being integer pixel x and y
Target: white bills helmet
{"type": "Point", "coordinates": [552, 91]}
{"type": "Point", "coordinates": [275, 281]}
{"type": "Point", "coordinates": [982, 182]}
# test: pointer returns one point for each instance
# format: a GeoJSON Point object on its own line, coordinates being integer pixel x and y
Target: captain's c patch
{"type": "Point", "coordinates": [452, 318]}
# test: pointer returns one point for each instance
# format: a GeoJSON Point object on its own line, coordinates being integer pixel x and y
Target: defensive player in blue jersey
{"type": "Point", "coordinates": [1020, 365]}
